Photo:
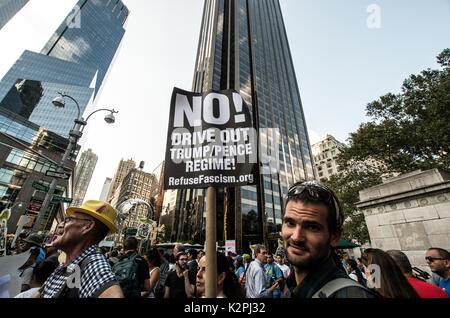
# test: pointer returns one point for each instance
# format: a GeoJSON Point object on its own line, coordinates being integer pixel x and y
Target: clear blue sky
{"type": "Point", "coordinates": [341, 64]}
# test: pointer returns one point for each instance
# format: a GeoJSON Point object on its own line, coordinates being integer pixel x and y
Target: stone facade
{"type": "Point", "coordinates": [410, 213]}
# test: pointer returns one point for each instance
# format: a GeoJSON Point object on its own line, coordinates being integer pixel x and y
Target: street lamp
{"type": "Point", "coordinates": [75, 134]}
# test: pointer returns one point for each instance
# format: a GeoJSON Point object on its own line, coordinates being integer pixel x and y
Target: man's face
{"type": "Point", "coordinates": [437, 265]}
{"type": "Point", "coordinates": [306, 235]}
{"type": "Point", "coordinates": [182, 262]}
{"type": "Point", "coordinates": [269, 259]}
{"type": "Point", "coordinates": [262, 256]}
{"type": "Point", "coordinates": [75, 227]}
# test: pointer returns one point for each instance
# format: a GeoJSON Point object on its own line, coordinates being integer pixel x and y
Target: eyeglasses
{"type": "Point", "coordinates": [317, 191]}
{"type": "Point", "coordinates": [71, 218]}
{"type": "Point", "coordinates": [432, 259]}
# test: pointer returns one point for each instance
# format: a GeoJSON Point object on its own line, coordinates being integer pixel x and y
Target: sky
{"type": "Point", "coordinates": [346, 54]}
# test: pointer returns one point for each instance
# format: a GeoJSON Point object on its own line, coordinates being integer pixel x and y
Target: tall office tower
{"type": "Point", "coordinates": [83, 174]}
{"type": "Point", "coordinates": [90, 35]}
{"type": "Point", "coordinates": [75, 61]}
{"type": "Point", "coordinates": [122, 170]}
{"type": "Point", "coordinates": [142, 185]}
{"type": "Point", "coordinates": [243, 46]}
{"type": "Point", "coordinates": [105, 190]}
{"type": "Point", "coordinates": [8, 9]}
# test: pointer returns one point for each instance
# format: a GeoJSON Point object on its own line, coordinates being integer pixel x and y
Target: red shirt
{"type": "Point", "coordinates": [426, 290]}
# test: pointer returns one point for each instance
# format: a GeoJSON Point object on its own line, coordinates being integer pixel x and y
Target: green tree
{"type": "Point", "coordinates": [409, 130]}
{"type": "Point", "coordinates": [347, 185]}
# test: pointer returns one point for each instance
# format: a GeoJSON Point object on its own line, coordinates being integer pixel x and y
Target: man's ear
{"type": "Point", "coordinates": [221, 278]}
{"type": "Point", "coordinates": [334, 238]}
{"type": "Point", "coordinates": [88, 227]}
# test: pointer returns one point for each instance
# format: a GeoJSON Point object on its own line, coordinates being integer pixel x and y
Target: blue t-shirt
{"type": "Point", "coordinates": [445, 285]}
{"type": "Point", "coordinates": [273, 273]}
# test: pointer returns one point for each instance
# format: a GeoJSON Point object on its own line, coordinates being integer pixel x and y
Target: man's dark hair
{"type": "Point", "coordinates": [316, 193]}
{"type": "Point", "coordinates": [100, 231]}
{"type": "Point", "coordinates": [131, 244]}
{"type": "Point", "coordinates": [258, 248]}
{"type": "Point", "coordinates": [442, 253]}
{"type": "Point", "coordinates": [193, 252]}
{"type": "Point", "coordinates": [153, 257]}
{"type": "Point", "coordinates": [179, 254]}
{"type": "Point", "coordinates": [402, 261]}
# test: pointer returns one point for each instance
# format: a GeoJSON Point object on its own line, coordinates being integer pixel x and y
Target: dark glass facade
{"type": "Point", "coordinates": [75, 61]}
{"type": "Point", "coordinates": [9, 8]}
{"type": "Point", "coordinates": [35, 80]}
{"type": "Point", "coordinates": [90, 35]}
{"type": "Point", "coordinates": [27, 151]}
{"type": "Point", "coordinates": [243, 45]}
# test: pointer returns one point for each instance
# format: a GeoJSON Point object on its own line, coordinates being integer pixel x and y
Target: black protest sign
{"type": "Point", "coordinates": [210, 141]}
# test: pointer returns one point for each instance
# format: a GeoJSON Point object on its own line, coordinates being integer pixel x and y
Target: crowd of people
{"type": "Point", "coordinates": [306, 266]}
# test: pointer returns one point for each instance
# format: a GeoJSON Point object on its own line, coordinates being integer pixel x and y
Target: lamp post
{"type": "Point", "coordinates": [75, 134]}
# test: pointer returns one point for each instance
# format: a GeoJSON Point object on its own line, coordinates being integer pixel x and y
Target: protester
{"type": "Point", "coordinates": [154, 261]}
{"type": "Point", "coordinates": [424, 289]}
{"type": "Point", "coordinates": [227, 283]}
{"type": "Point", "coordinates": [274, 274]}
{"type": "Point", "coordinates": [33, 244]}
{"type": "Point", "coordinates": [178, 282]}
{"type": "Point", "coordinates": [84, 228]}
{"type": "Point", "coordinates": [385, 276]}
{"type": "Point", "coordinates": [256, 285]}
{"type": "Point", "coordinates": [41, 272]}
{"type": "Point", "coordinates": [192, 263]}
{"type": "Point", "coordinates": [163, 272]}
{"type": "Point", "coordinates": [131, 270]}
{"type": "Point", "coordinates": [439, 261]}
{"type": "Point", "coordinates": [354, 272]}
{"type": "Point", "coordinates": [311, 230]}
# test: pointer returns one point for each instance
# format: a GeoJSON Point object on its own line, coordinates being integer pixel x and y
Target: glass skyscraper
{"type": "Point", "coordinates": [9, 8]}
{"type": "Point", "coordinates": [75, 61]}
{"type": "Point", "coordinates": [90, 35]}
{"type": "Point", "coordinates": [243, 46]}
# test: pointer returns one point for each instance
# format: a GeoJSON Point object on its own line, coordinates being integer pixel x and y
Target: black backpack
{"type": "Point", "coordinates": [126, 271]}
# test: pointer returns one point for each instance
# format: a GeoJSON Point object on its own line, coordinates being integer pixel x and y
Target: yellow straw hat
{"type": "Point", "coordinates": [99, 210]}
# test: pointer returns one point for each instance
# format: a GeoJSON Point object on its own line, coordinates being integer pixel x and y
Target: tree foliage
{"type": "Point", "coordinates": [347, 185]}
{"type": "Point", "coordinates": [409, 130]}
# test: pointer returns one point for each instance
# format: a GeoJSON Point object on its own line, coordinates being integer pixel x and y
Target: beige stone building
{"type": "Point", "coordinates": [325, 153]}
{"type": "Point", "coordinates": [410, 213]}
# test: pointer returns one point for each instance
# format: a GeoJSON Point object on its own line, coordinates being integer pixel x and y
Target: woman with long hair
{"type": "Point", "coordinates": [153, 261]}
{"type": "Point", "coordinates": [227, 282]}
{"type": "Point", "coordinates": [385, 276]}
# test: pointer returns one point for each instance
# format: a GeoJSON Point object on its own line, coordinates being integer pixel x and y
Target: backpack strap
{"type": "Point", "coordinates": [336, 285]}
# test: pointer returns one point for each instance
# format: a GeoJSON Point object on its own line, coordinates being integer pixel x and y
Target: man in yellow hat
{"type": "Point", "coordinates": [86, 273]}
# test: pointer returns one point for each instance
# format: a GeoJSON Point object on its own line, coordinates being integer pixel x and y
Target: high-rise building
{"type": "Point", "coordinates": [142, 185]}
{"type": "Point", "coordinates": [90, 35]}
{"type": "Point", "coordinates": [83, 174]}
{"type": "Point", "coordinates": [9, 8]}
{"type": "Point", "coordinates": [243, 46]}
{"type": "Point", "coordinates": [105, 190]}
{"type": "Point", "coordinates": [75, 61]}
{"type": "Point", "coordinates": [123, 169]}
{"type": "Point", "coordinates": [325, 154]}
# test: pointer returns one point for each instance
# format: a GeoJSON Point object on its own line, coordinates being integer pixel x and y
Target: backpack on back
{"type": "Point", "coordinates": [126, 271]}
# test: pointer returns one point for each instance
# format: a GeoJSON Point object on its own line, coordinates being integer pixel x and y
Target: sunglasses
{"type": "Point", "coordinates": [68, 219]}
{"type": "Point", "coordinates": [318, 192]}
{"type": "Point", "coordinates": [432, 259]}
